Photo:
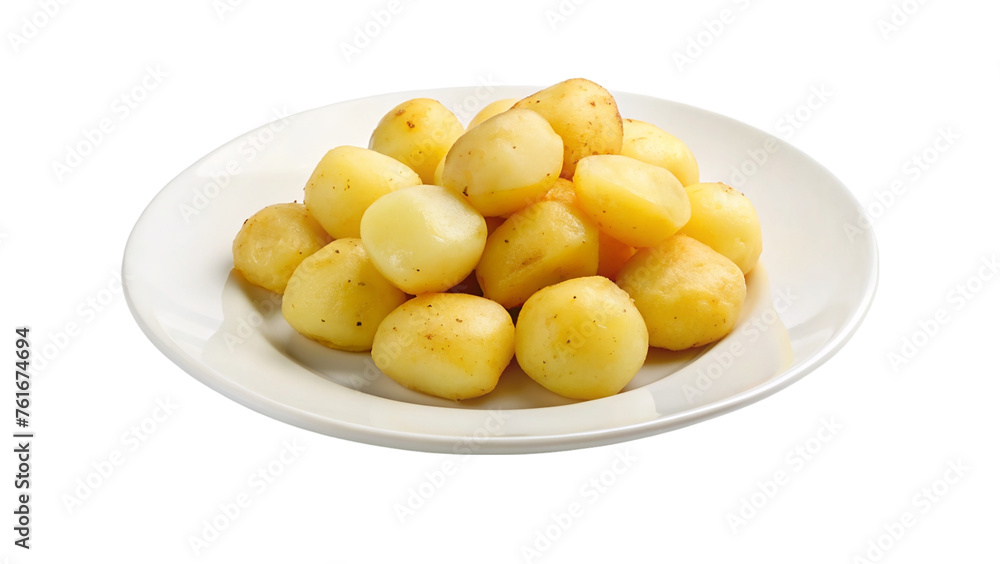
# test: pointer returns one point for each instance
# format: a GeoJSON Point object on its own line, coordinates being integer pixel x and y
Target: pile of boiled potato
{"type": "Point", "coordinates": [593, 232]}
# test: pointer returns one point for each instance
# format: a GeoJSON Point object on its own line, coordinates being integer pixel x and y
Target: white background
{"type": "Point", "coordinates": [899, 426]}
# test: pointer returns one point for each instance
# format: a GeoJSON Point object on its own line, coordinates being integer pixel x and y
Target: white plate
{"type": "Point", "coordinates": [808, 295]}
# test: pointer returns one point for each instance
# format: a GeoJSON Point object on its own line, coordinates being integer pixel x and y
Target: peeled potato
{"type": "Point", "coordinates": [543, 244]}
{"type": "Point", "coordinates": [273, 241]}
{"type": "Point", "coordinates": [417, 133]}
{"type": "Point", "coordinates": [594, 232]}
{"type": "Point", "coordinates": [612, 253]}
{"type": "Point", "coordinates": [346, 181]}
{"type": "Point", "coordinates": [453, 346]}
{"type": "Point", "coordinates": [504, 163]}
{"type": "Point", "coordinates": [585, 116]}
{"type": "Point", "coordinates": [423, 238]}
{"type": "Point", "coordinates": [688, 294]}
{"type": "Point", "coordinates": [562, 191]}
{"type": "Point", "coordinates": [637, 203]}
{"type": "Point", "coordinates": [438, 174]}
{"type": "Point", "coordinates": [337, 297]}
{"type": "Point", "coordinates": [490, 110]}
{"type": "Point", "coordinates": [650, 144]}
{"type": "Point", "coordinates": [724, 219]}
{"type": "Point", "coordinates": [582, 338]}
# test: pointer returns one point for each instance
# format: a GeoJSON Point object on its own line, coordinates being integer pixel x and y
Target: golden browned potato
{"type": "Point", "coordinates": [650, 144]}
{"type": "Point", "coordinates": [273, 241]}
{"type": "Point", "coordinates": [417, 133]}
{"type": "Point", "coordinates": [337, 297]}
{"type": "Point", "coordinates": [585, 116]}
{"type": "Point", "coordinates": [637, 203]}
{"type": "Point", "coordinates": [543, 244]}
{"type": "Point", "coordinates": [504, 163]}
{"type": "Point", "coordinates": [346, 181]}
{"type": "Point", "coordinates": [688, 294]}
{"type": "Point", "coordinates": [423, 238]}
{"type": "Point", "coordinates": [453, 346]}
{"type": "Point", "coordinates": [582, 338]}
{"type": "Point", "coordinates": [490, 110]}
{"type": "Point", "coordinates": [724, 219]}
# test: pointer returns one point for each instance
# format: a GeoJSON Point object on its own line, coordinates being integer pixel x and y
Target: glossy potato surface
{"type": "Point", "coordinates": [337, 297]}
{"type": "Point", "coordinates": [723, 218]}
{"type": "Point", "coordinates": [584, 114]}
{"type": "Point", "coordinates": [505, 163]}
{"type": "Point", "coordinates": [582, 338]}
{"type": "Point", "coordinates": [688, 294]}
{"type": "Point", "coordinates": [417, 133]}
{"type": "Point", "coordinates": [423, 238]}
{"type": "Point", "coordinates": [272, 243]}
{"type": "Point", "coordinates": [453, 346]}
{"type": "Point", "coordinates": [346, 181]}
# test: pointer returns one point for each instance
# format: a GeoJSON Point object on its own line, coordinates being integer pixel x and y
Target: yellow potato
{"type": "Point", "coordinates": [650, 144]}
{"type": "Point", "coordinates": [453, 346]}
{"type": "Point", "coordinates": [423, 238]}
{"type": "Point", "coordinates": [597, 228]}
{"type": "Point", "coordinates": [582, 338]}
{"type": "Point", "coordinates": [637, 203]}
{"type": "Point", "coordinates": [439, 173]}
{"type": "Point", "coordinates": [543, 244]}
{"type": "Point", "coordinates": [504, 163]}
{"type": "Point", "coordinates": [562, 191]}
{"type": "Point", "coordinates": [337, 297]}
{"type": "Point", "coordinates": [612, 253]}
{"type": "Point", "coordinates": [346, 181]}
{"type": "Point", "coordinates": [688, 294]}
{"type": "Point", "coordinates": [490, 110]}
{"type": "Point", "coordinates": [725, 220]}
{"type": "Point", "coordinates": [585, 116]}
{"type": "Point", "coordinates": [417, 133]}
{"type": "Point", "coordinates": [273, 241]}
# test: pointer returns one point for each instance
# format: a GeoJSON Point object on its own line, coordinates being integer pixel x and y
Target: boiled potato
{"type": "Point", "coordinates": [417, 133]}
{"type": "Point", "coordinates": [725, 220]}
{"type": "Point", "coordinates": [650, 144]}
{"type": "Point", "coordinates": [273, 241]}
{"type": "Point", "coordinates": [453, 346]}
{"type": "Point", "coordinates": [490, 110]}
{"type": "Point", "coordinates": [688, 294]}
{"type": "Point", "coordinates": [594, 232]}
{"type": "Point", "coordinates": [543, 244]}
{"type": "Point", "coordinates": [423, 238]}
{"type": "Point", "coordinates": [337, 297]}
{"type": "Point", "coordinates": [504, 163]}
{"type": "Point", "coordinates": [612, 253]}
{"type": "Point", "coordinates": [562, 191]}
{"type": "Point", "coordinates": [637, 203]}
{"type": "Point", "coordinates": [585, 116]}
{"type": "Point", "coordinates": [582, 338]}
{"type": "Point", "coordinates": [439, 173]}
{"type": "Point", "coordinates": [346, 181]}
